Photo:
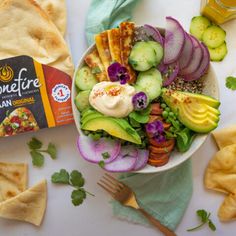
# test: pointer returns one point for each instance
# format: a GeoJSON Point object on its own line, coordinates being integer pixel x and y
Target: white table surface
{"type": "Point", "coordinates": [95, 217]}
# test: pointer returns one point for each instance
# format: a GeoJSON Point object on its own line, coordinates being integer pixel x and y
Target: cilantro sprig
{"type": "Point", "coordinates": [205, 219]}
{"type": "Point", "coordinates": [36, 151]}
{"type": "Point", "coordinates": [76, 180]}
{"type": "Point", "coordinates": [231, 82]}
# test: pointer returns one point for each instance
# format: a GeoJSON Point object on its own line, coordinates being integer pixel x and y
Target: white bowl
{"type": "Point", "coordinates": [211, 88]}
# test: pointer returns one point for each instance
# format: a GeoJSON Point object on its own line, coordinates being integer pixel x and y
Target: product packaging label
{"type": "Point", "coordinates": [32, 96]}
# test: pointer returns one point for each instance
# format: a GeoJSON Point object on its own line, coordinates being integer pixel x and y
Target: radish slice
{"type": "Point", "coordinates": [142, 159]}
{"type": "Point", "coordinates": [187, 52]}
{"type": "Point", "coordinates": [92, 150]}
{"type": "Point", "coordinates": [124, 162]}
{"type": "Point", "coordinates": [202, 68]}
{"type": "Point", "coordinates": [162, 67]}
{"type": "Point", "coordinates": [154, 33]}
{"type": "Point", "coordinates": [170, 73]}
{"type": "Point", "coordinates": [196, 58]}
{"type": "Point", "coordinates": [174, 40]}
{"type": "Point", "coordinates": [129, 150]}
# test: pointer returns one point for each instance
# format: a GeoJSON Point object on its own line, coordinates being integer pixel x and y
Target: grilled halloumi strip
{"type": "Point", "coordinates": [94, 62]}
{"type": "Point", "coordinates": [114, 44]}
{"type": "Point", "coordinates": [126, 43]}
{"type": "Point", "coordinates": [103, 49]}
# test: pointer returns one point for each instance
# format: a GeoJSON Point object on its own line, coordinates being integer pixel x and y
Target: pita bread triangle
{"type": "Point", "coordinates": [13, 179]}
{"type": "Point", "coordinates": [28, 206]}
{"type": "Point", "coordinates": [27, 30]}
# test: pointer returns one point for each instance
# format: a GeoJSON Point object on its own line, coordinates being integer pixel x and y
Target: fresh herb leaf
{"type": "Point", "coordinates": [146, 111]}
{"type": "Point", "coordinates": [37, 158]}
{"type": "Point", "coordinates": [61, 177]}
{"type": "Point", "coordinates": [134, 123]}
{"type": "Point", "coordinates": [34, 144]}
{"type": "Point", "coordinates": [78, 196]}
{"type": "Point", "coordinates": [101, 164]}
{"type": "Point", "coordinates": [205, 219]}
{"type": "Point", "coordinates": [52, 151]}
{"type": "Point", "coordinates": [129, 130]}
{"type": "Point", "coordinates": [183, 135]}
{"type": "Point", "coordinates": [211, 225]}
{"type": "Point", "coordinates": [231, 82]}
{"type": "Point", "coordinates": [105, 155]}
{"type": "Point", "coordinates": [140, 118]}
{"type": "Point", "coordinates": [203, 215]}
{"type": "Point", "coordinates": [76, 179]}
{"type": "Point", "coordinates": [96, 70]}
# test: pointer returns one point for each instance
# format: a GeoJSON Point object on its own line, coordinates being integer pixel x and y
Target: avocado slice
{"type": "Point", "coordinates": [210, 101]}
{"type": "Point", "coordinates": [203, 114]}
{"type": "Point", "coordinates": [116, 127]}
{"type": "Point", "coordinates": [89, 116]}
{"type": "Point", "coordinates": [196, 111]}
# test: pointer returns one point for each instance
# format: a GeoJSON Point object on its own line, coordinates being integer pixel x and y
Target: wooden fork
{"type": "Point", "coordinates": [124, 194]}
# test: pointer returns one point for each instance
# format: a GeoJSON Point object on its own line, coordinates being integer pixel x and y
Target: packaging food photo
{"type": "Point", "coordinates": [35, 77]}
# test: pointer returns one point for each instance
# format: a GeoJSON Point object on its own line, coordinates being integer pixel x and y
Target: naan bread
{"type": "Point", "coordinates": [27, 30]}
{"type": "Point", "coordinates": [225, 137]}
{"type": "Point", "coordinates": [227, 210]}
{"type": "Point", "coordinates": [56, 9]}
{"type": "Point", "coordinates": [13, 179]}
{"type": "Point", "coordinates": [28, 206]}
{"type": "Point", "coordinates": [220, 174]}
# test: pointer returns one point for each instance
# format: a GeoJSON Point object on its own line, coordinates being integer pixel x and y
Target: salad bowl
{"type": "Point", "coordinates": [210, 88]}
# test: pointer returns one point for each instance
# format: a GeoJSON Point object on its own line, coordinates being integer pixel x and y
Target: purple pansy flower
{"type": "Point", "coordinates": [117, 72]}
{"type": "Point", "coordinates": [156, 130]}
{"type": "Point", "coordinates": [140, 101]}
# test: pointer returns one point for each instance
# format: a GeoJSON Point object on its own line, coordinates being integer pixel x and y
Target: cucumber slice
{"type": "Point", "coordinates": [85, 79]}
{"type": "Point", "coordinates": [151, 82]}
{"type": "Point", "coordinates": [82, 100]}
{"type": "Point", "coordinates": [142, 57]}
{"type": "Point", "coordinates": [214, 36]}
{"type": "Point", "coordinates": [198, 25]}
{"type": "Point", "coordinates": [158, 50]}
{"type": "Point", "coordinates": [219, 53]}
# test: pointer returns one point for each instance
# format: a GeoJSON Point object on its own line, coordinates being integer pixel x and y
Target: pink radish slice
{"type": "Point", "coordinates": [124, 162]}
{"type": "Point", "coordinates": [92, 150]}
{"type": "Point", "coordinates": [142, 159]}
{"type": "Point", "coordinates": [174, 40]}
{"type": "Point", "coordinates": [129, 150]}
{"type": "Point", "coordinates": [196, 58]}
{"type": "Point", "coordinates": [162, 67]}
{"type": "Point", "coordinates": [187, 52]}
{"type": "Point", "coordinates": [202, 68]}
{"type": "Point", "coordinates": [170, 73]}
{"type": "Point", "coordinates": [154, 33]}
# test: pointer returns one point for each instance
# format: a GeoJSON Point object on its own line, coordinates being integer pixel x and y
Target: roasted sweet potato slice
{"type": "Point", "coordinates": [156, 109]}
{"type": "Point", "coordinates": [167, 143]}
{"type": "Point", "coordinates": [166, 149]}
{"type": "Point", "coordinates": [159, 162]}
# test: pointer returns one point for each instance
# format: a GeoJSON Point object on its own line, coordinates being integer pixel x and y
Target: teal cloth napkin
{"type": "Point", "coordinates": [164, 195]}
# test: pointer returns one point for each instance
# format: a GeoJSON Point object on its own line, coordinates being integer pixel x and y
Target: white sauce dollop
{"type": "Point", "coordinates": [112, 98]}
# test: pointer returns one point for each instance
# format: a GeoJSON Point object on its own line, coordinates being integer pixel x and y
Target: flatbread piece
{"type": "Point", "coordinates": [28, 206]}
{"type": "Point", "coordinates": [13, 179]}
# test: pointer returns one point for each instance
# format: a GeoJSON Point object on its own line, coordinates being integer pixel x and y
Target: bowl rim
{"type": "Point", "coordinates": [76, 115]}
